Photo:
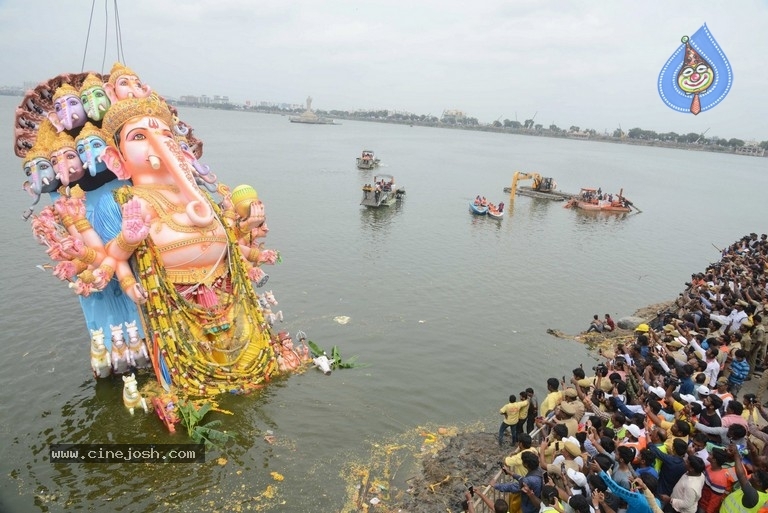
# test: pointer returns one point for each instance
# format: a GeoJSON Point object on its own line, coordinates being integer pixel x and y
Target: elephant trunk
{"type": "Point", "coordinates": [62, 173]}
{"type": "Point", "coordinates": [33, 191]}
{"type": "Point", "coordinates": [90, 163]}
{"type": "Point", "coordinates": [202, 169]}
{"type": "Point", "coordinates": [169, 155]}
{"type": "Point", "coordinates": [34, 187]}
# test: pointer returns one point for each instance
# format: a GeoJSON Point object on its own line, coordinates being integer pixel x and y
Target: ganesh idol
{"type": "Point", "coordinates": [204, 324]}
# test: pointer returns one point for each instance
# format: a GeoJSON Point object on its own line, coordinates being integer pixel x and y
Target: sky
{"type": "Point", "coordinates": [591, 64]}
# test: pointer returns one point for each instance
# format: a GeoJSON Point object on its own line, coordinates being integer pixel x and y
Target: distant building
{"type": "Point", "coordinates": [578, 135]}
{"type": "Point", "coordinates": [751, 149]}
{"type": "Point", "coordinates": [453, 116]}
{"type": "Point", "coordinates": [189, 100]}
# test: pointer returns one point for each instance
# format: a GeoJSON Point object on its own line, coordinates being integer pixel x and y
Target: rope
{"type": "Point", "coordinates": [106, 32]}
{"type": "Point", "coordinates": [119, 32]}
{"type": "Point", "coordinates": [88, 35]}
{"type": "Point", "coordinates": [118, 35]}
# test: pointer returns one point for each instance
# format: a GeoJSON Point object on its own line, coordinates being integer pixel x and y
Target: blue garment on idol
{"type": "Point", "coordinates": [110, 306]}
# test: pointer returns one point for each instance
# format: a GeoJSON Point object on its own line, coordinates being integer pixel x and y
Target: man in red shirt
{"type": "Point", "coordinates": [609, 325]}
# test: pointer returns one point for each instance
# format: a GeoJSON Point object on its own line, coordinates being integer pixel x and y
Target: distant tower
{"type": "Point", "coordinates": [309, 103]}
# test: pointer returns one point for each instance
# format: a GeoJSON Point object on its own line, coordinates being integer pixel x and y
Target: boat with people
{"type": "Point", "coordinates": [479, 206]}
{"type": "Point", "coordinates": [496, 211]}
{"type": "Point", "coordinates": [383, 192]}
{"type": "Point", "coordinates": [367, 160]}
{"type": "Point", "coordinates": [596, 200]}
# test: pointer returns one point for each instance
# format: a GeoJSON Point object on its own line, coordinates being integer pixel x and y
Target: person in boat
{"type": "Point", "coordinates": [478, 200]}
{"type": "Point", "coordinates": [595, 325]}
{"type": "Point", "coordinates": [501, 207]}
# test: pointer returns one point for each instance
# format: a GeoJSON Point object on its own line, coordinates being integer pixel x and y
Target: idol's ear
{"type": "Point", "coordinates": [110, 90]}
{"type": "Point", "coordinates": [55, 121]}
{"type": "Point", "coordinates": [111, 158]}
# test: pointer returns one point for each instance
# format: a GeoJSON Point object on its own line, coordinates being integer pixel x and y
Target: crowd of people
{"type": "Point", "coordinates": [660, 424]}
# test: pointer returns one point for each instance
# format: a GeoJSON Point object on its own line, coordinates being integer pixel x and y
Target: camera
{"type": "Point", "coordinates": [601, 369]}
{"type": "Point", "coordinates": [471, 489]}
{"type": "Point", "coordinates": [750, 399]}
{"type": "Point", "coordinates": [670, 381]}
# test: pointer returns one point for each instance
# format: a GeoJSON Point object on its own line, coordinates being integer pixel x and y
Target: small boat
{"type": "Point", "coordinates": [383, 192]}
{"type": "Point", "coordinates": [496, 211]}
{"type": "Point", "coordinates": [367, 160]}
{"type": "Point", "coordinates": [477, 209]}
{"type": "Point", "coordinates": [598, 201]}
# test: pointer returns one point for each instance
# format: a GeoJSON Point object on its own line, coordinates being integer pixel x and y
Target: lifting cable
{"type": "Point", "coordinates": [118, 35]}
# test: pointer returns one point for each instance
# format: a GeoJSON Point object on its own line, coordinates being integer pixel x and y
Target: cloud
{"type": "Point", "coordinates": [592, 64]}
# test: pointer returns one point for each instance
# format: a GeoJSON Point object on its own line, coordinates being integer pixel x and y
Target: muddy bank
{"type": "Point", "coordinates": [466, 458]}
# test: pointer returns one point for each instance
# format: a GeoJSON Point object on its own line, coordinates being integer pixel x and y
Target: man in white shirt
{"type": "Point", "coordinates": [687, 492]}
{"type": "Point", "coordinates": [713, 368]}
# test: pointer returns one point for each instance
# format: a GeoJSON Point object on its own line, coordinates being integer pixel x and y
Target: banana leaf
{"type": "Point", "coordinates": [335, 358]}
{"type": "Point", "coordinates": [315, 349]}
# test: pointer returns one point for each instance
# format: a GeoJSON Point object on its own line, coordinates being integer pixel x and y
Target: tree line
{"type": "Point", "coordinates": [528, 126]}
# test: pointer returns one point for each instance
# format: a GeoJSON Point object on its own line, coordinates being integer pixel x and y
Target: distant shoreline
{"type": "Point", "coordinates": [488, 128]}
{"type": "Point", "coordinates": [7, 91]}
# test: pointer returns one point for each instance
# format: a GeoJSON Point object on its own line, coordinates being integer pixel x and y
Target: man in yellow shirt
{"type": "Point", "coordinates": [554, 396]}
{"type": "Point", "coordinates": [511, 413]}
{"type": "Point", "coordinates": [515, 461]}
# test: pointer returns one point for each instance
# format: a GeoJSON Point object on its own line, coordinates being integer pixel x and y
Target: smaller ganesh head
{"type": "Point", "coordinates": [94, 97]}
{"type": "Point", "coordinates": [41, 177]}
{"type": "Point", "coordinates": [203, 175]}
{"type": "Point", "coordinates": [123, 83]}
{"type": "Point", "coordinates": [65, 159]}
{"type": "Point", "coordinates": [90, 145]}
{"type": "Point", "coordinates": [68, 108]}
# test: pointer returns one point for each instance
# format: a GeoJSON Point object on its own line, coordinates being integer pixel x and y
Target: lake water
{"type": "Point", "coordinates": [450, 311]}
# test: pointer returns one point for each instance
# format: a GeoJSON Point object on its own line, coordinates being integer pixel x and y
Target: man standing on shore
{"type": "Point", "coordinates": [554, 396]}
{"type": "Point", "coordinates": [511, 413]}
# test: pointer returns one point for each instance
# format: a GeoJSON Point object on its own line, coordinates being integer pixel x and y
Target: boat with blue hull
{"type": "Point", "coordinates": [478, 210]}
